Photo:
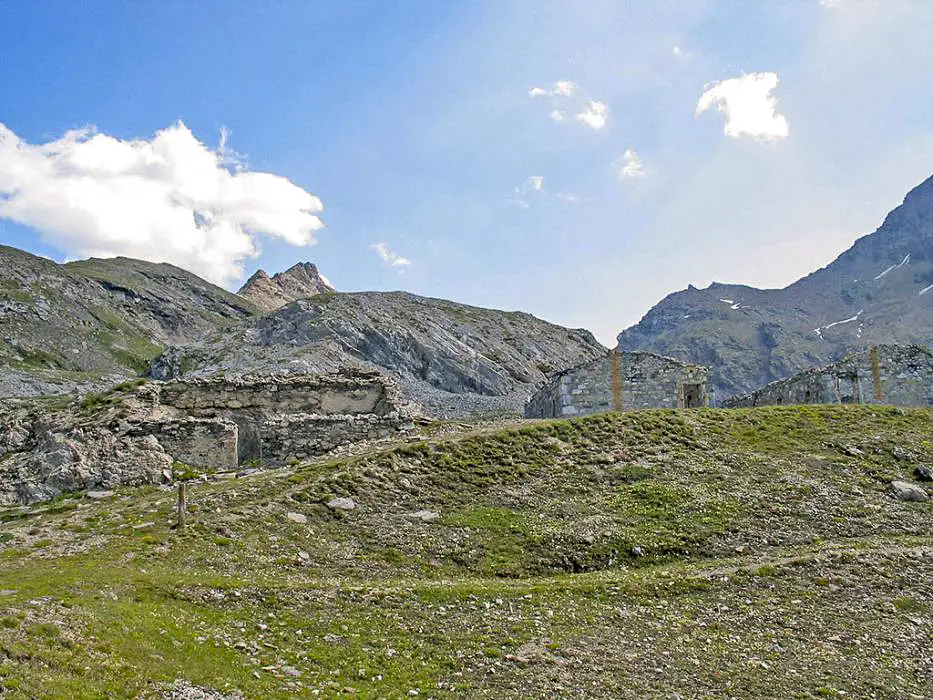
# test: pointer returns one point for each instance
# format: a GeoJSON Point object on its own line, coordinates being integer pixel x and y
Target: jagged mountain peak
{"type": "Point", "coordinates": [300, 281]}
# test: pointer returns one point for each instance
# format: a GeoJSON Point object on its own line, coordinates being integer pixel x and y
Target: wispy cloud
{"type": "Point", "coordinates": [532, 185]}
{"type": "Point", "coordinates": [389, 257]}
{"type": "Point", "coordinates": [630, 166]}
{"type": "Point", "coordinates": [749, 106]}
{"type": "Point", "coordinates": [562, 88]}
{"type": "Point", "coordinates": [566, 98]}
{"type": "Point", "coordinates": [169, 198]}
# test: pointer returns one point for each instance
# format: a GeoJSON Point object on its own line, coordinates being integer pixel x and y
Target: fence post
{"type": "Point", "coordinates": [182, 505]}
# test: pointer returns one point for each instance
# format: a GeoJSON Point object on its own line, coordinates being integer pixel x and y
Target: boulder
{"type": "Point", "coordinates": [905, 491]}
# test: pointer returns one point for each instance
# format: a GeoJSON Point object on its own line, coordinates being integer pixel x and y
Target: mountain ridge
{"type": "Point", "coordinates": [876, 291]}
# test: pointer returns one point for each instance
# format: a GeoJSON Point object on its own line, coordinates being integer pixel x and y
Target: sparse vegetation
{"type": "Point", "coordinates": [701, 554]}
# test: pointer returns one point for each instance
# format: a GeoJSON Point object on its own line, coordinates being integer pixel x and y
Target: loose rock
{"type": "Point", "coordinates": [905, 491]}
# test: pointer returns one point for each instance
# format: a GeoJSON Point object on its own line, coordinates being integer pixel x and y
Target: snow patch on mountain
{"type": "Point", "coordinates": [894, 267]}
{"type": "Point", "coordinates": [819, 331]}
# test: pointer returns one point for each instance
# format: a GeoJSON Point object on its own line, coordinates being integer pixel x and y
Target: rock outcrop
{"type": "Point", "coordinates": [879, 291]}
{"type": "Point", "coordinates": [297, 282]}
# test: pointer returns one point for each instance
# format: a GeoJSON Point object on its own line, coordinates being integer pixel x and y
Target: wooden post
{"type": "Point", "coordinates": [615, 379]}
{"type": "Point", "coordinates": [182, 505]}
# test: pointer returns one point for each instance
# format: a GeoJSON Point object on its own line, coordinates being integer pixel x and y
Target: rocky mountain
{"type": "Point", "coordinates": [297, 282]}
{"type": "Point", "coordinates": [95, 321]}
{"type": "Point", "coordinates": [451, 359]}
{"type": "Point", "coordinates": [878, 291]}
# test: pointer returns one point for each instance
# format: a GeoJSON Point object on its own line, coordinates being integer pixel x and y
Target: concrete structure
{"type": "Point", "coordinates": [621, 381]}
{"type": "Point", "coordinates": [899, 375]}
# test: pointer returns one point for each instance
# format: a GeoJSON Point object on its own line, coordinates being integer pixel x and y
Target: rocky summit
{"type": "Point", "coordinates": [879, 291]}
{"type": "Point", "coordinates": [300, 281]}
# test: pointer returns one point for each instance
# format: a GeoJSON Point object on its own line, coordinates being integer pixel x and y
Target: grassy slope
{"type": "Point", "coordinates": [772, 564]}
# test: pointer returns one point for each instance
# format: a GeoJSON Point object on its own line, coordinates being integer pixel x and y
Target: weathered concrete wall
{"type": "Point", "coordinates": [900, 375]}
{"type": "Point", "coordinates": [621, 381]}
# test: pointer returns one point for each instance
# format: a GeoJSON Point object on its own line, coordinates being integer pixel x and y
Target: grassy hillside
{"type": "Point", "coordinates": [702, 554]}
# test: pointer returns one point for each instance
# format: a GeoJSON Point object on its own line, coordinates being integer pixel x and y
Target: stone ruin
{"type": "Point", "coordinates": [621, 381]}
{"type": "Point", "coordinates": [898, 375]}
{"type": "Point", "coordinates": [135, 435]}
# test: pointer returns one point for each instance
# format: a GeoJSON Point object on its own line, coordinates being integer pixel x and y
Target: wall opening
{"type": "Point", "coordinates": [693, 395]}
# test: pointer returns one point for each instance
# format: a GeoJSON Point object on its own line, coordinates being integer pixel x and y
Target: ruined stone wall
{"type": "Point", "coordinates": [207, 443]}
{"type": "Point", "coordinates": [297, 437]}
{"type": "Point", "coordinates": [900, 375]}
{"type": "Point", "coordinates": [621, 381]}
{"type": "Point", "coordinates": [279, 419]}
{"type": "Point", "coordinates": [344, 394]}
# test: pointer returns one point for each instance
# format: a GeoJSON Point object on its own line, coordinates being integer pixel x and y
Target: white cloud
{"type": "Point", "coordinates": [389, 257]}
{"type": "Point", "coordinates": [831, 3]}
{"type": "Point", "coordinates": [565, 88]}
{"type": "Point", "coordinates": [568, 197]}
{"type": "Point", "coordinates": [558, 116]}
{"type": "Point", "coordinates": [630, 166]}
{"type": "Point", "coordinates": [749, 106]}
{"type": "Point", "coordinates": [677, 51]}
{"type": "Point", "coordinates": [562, 88]}
{"type": "Point", "coordinates": [170, 198]}
{"type": "Point", "coordinates": [537, 182]}
{"type": "Point", "coordinates": [594, 115]}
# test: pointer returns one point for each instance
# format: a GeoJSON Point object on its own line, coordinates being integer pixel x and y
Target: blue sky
{"type": "Point", "coordinates": [414, 124]}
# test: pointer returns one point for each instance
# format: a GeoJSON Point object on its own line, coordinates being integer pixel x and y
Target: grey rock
{"type": "Point", "coordinates": [341, 503]}
{"type": "Point", "coordinates": [424, 516]}
{"type": "Point", "coordinates": [923, 473]}
{"type": "Point", "coordinates": [905, 491]}
{"type": "Point", "coordinates": [299, 518]}
{"type": "Point", "coordinates": [901, 454]}
{"type": "Point", "coordinates": [97, 495]}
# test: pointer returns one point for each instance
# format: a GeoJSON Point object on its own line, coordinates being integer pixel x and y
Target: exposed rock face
{"type": "Point", "coordinates": [878, 291]}
{"type": "Point", "coordinates": [621, 381]}
{"type": "Point", "coordinates": [92, 322]}
{"type": "Point", "coordinates": [451, 359]}
{"type": "Point", "coordinates": [885, 374]}
{"type": "Point", "coordinates": [297, 282]}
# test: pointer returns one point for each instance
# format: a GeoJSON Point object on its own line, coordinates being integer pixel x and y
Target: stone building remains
{"type": "Point", "coordinates": [139, 433]}
{"type": "Point", "coordinates": [899, 375]}
{"type": "Point", "coordinates": [621, 381]}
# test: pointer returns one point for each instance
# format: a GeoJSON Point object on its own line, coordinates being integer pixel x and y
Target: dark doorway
{"type": "Point", "coordinates": [693, 395]}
